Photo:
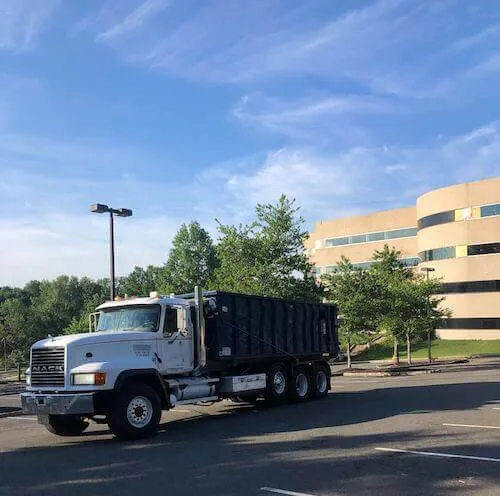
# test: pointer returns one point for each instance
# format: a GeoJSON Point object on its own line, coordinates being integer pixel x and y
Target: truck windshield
{"type": "Point", "coordinates": [130, 318]}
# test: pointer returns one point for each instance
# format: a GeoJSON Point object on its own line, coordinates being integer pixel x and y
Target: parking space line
{"type": "Point", "coordinates": [473, 426]}
{"type": "Point", "coordinates": [496, 408]}
{"type": "Point", "coordinates": [282, 491]}
{"type": "Point", "coordinates": [20, 417]}
{"type": "Point", "coordinates": [443, 455]}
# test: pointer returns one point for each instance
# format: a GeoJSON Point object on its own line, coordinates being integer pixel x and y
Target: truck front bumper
{"type": "Point", "coordinates": [44, 405]}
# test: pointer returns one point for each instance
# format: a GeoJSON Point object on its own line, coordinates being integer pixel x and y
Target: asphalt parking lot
{"type": "Point", "coordinates": [432, 434]}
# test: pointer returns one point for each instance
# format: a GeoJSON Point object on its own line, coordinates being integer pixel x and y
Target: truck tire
{"type": "Point", "coordinates": [135, 412]}
{"type": "Point", "coordinates": [66, 425]}
{"type": "Point", "coordinates": [321, 381]}
{"type": "Point", "coordinates": [300, 384]}
{"type": "Point", "coordinates": [277, 383]}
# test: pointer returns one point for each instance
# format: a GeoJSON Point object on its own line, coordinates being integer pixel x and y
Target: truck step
{"type": "Point", "coordinates": [197, 400]}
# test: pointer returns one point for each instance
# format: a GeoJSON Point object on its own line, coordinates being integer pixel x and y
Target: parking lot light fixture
{"type": "Point", "coordinates": [100, 208]}
{"type": "Point", "coordinates": [428, 270]}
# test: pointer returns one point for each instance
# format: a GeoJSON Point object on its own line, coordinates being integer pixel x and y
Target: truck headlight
{"type": "Point", "coordinates": [28, 377]}
{"type": "Point", "coordinates": [89, 379]}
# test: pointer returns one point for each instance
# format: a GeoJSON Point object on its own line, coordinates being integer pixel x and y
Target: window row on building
{"type": "Point", "coordinates": [458, 215]}
{"type": "Point", "coordinates": [328, 269]}
{"type": "Point", "coordinates": [492, 286]}
{"type": "Point", "coordinates": [459, 251]}
{"type": "Point", "coordinates": [369, 237]}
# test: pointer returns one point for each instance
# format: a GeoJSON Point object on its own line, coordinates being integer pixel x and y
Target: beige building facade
{"type": "Point", "coordinates": [453, 230]}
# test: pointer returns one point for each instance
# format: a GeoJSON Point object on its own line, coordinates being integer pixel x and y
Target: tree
{"type": "Point", "coordinates": [140, 282]}
{"type": "Point", "coordinates": [389, 271]}
{"type": "Point", "coordinates": [356, 293]}
{"type": "Point", "coordinates": [191, 262]}
{"type": "Point", "coordinates": [408, 305]}
{"type": "Point", "coordinates": [266, 257]}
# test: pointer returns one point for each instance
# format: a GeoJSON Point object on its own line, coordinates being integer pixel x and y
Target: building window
{"type": "Point", "coordinates": [458, 215]}
{"type": "Point", "coordinates": [337, 241]}
{"type": "Point", "coordinates": [489, 210]}
{"type": "Point", "coordinates": [485, 249]}
{"type": "Point", "coordinates": [470, 287]}
{"type": "Point", "coordinates": [375, 236]}
{"type": "Point", "coordinates": [438, 254]}
{"type": "Point", "coordinates": [436, 219]}
{"type": "Point", "coordinates": [471, 323]}
{"type": "Point", "coordinates": [459, 251]}
{"type": "Point", "coordinates": [408, 262]}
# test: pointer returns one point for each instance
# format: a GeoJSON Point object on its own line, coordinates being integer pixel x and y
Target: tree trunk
{"type": "Point", "coordinates": [349, 353]}
{"type": "Point", "coordinates": [408, 347]}
{"type": "Point", "coordinates": [395, 357]}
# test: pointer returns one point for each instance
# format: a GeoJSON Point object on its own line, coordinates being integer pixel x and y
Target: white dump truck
{"type": "Point", "coordinates": [151, 354]}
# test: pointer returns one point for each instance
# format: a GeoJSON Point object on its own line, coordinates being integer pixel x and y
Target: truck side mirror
{"type": "Point", "coordinates": [93, 321]}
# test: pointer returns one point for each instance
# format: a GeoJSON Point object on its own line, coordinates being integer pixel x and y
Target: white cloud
{"type": "Point", "coordinates": [46, 246]}
{"type": "Point", "coordinates": [356, 180]}
{"type": "Point", "coordinates": [318, 118]}
{"type": "Point", "coordinates": [134, 20]}
{"type": "Point", "coordinates": [21, 21]}
{"type": "Point", "coordinates": [46, 229]}
{"type": "Point", "coordinates": [491, 65]}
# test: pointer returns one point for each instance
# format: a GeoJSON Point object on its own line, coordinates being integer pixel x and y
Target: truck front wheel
{"type": "Point", "coordinates": [135, 412]}
{"type": "Point", "coordinates": [66, 425]}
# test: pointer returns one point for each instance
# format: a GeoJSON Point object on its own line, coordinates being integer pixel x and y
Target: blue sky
{"type": "Point", "coordinates": [199, 109]}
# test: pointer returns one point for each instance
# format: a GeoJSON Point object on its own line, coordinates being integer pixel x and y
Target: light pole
{"type": "Point", "coordinates": [99, 208]}
{"type": "Point", "coordinates": [428, 270]}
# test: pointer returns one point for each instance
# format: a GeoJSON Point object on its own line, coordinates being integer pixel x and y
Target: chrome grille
{"type": "Point", "coordinates": [47, 367]}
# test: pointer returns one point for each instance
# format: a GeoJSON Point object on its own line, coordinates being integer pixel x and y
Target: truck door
{"type": "Point", "coordinates": [176, 345]}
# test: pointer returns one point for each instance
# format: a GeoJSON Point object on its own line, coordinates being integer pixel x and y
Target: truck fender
{"type": "Point", "coordinates": [148, 376]}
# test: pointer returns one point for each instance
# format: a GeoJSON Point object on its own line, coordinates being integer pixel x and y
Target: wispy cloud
{"type": "Point", "coordinates": [133, 20]}
{"type": "Point", "coordinates": [316, 118]}
{"type": "Point", "coordinates": [53, 232]}
{"type": "Point", "coordinates": [359, 179]}
{"type": "Point", "coordinates": [21, 21]}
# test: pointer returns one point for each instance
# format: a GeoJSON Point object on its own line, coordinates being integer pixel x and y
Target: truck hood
{"type": "Point", "coordinates": [95, 338]}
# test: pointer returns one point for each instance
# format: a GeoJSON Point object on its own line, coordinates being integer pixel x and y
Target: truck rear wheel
{"type": "Point", "coordinates": [135, 412]}
{"type": "Point", "coordinates": [277, 383]}
{"type": "Point", "coordinates": [66, 425]}
{"type": "Point", "coordinates": [321, 381]}
{"type": "Point", "coordinates": [300, 386]}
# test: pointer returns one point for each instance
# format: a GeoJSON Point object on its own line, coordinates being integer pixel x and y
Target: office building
{"type": "Point", "coordinates": [454, 230]}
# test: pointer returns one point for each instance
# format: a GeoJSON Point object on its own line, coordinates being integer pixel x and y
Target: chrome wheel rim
{"type": "Point", "coordinates": [139, 411]}
{"type": "Point", "coordinates": [301, 385]}
{"type": "Point", "coordinates": [279, 382]}
{"type": "Point", "coordinates": [321, 381]}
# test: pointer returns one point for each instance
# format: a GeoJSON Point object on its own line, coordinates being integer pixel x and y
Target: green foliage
{"type": "Point", "coordinates": [408, 303]}
{"type": "Point", "coordinates": [191, 262]}
{"type": "Point", "coordinates": [266, 257]}
{"type": "Point", "coordinates": [140, 282]}
{"type": "Point", "coordinates": [356, 292]}
{"type": "Point", "coordinates": [388, 296]}
{"type": "Point", "coordinates": [442, 348]}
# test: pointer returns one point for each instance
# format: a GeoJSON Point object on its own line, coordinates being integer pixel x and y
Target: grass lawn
{"type": "Point", "coordinates": [440, 349]}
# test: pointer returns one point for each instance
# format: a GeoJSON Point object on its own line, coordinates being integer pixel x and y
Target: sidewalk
{"type": "Point", "coordinates": [384, 368]}
{"type": "Point", "coordinates": [10, 403]}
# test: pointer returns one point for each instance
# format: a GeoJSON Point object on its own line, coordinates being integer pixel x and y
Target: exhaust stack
{"type": "Point", "coordinates": [200, 329]}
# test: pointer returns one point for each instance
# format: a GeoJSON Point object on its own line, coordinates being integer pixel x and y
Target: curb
{"type": "Point", "coordinates": [16, 412]}
{"type": "Point", "coordinates": [395, 373]}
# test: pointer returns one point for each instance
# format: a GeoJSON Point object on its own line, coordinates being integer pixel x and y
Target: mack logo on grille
{"type": "Point", "coordinates": [47, 368]}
